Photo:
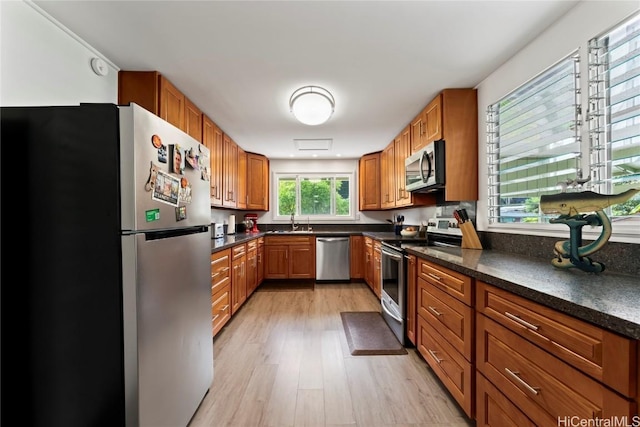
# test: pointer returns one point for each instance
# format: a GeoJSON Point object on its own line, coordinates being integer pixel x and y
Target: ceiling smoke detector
{"type": "Point", "coordinates": [312, 105]}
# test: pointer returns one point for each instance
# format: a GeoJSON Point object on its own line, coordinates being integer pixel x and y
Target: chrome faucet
{"type": "Point", "coordinates": [294, 227]}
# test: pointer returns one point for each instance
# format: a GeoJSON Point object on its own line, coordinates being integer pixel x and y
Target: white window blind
{"type": "Point", "coordinates": [533, 143]}
{"type": "Point", "coordinates": [614, 117]}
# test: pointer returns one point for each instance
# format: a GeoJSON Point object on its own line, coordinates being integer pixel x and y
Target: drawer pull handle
{"type": "Point", "coordinates": [224, 269]}
{"type": "Point", "coordinates": [433, 354]}
{"type": "Point", "coordinates": [434, 311]}
{"type": "Point", "coordinates": [516, 376]}
{"type": "Point", "coordinates": [215, 317]}
{"type": "Point", "coordinates": [225, 308]}
{"type": "Point", "coordinates": [434, 276]}
{"type": "Point", "coordinates": [213, 276]}
{"type": "Point", "coordinates": [524, 323]}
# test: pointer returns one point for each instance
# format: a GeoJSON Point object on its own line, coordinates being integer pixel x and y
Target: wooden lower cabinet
{"type": "Point", "coordinates": [356, 254]}
{"type": "Point", "coordinates": [368, 262]}
{"type": "Point", "coordinates": [412, 295]}
{"type": "Point", "coordinates": [290, 257]}
{"type": "Point", "coordinates": [238, 277]}
{"type": "Point", "coordinates": [542, 386]}
{"type": "Point", "coordinates": [445, 329]}
{"type": "Point", "coordinates": [377, 268]}
{"type": "Point", "coordinates": [493, 409]}
{"type": "Point", "coordinates": [260, 268]}
{"type": "Point", "coordinates": [456, 373]}
{"type": "Point", "coordinates": [252, 266]}
{"type": "Point", "coordinates": [220, 289]}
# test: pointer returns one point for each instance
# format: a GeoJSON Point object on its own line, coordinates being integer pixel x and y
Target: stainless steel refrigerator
{"type": "Point", "coordinates": [111, 206]}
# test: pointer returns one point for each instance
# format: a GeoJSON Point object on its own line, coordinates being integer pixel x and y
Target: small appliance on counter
{"type": "Point", "coordinates": [251, 220]}
{"type": "Point", "coordinates": [231, 225]}
{"type": "Point", "coordinates": [218, 231]}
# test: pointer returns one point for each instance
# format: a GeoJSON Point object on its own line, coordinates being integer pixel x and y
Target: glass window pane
{"type": "Point", "coordinates": [315, 196]}
{"type": "Point", "coordinates": [342, 197]}
{"type": "Point", "coordinates": [286, 196]}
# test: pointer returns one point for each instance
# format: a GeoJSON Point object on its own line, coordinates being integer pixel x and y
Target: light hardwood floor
{"type": "Point", "coordinates": [283, 360]}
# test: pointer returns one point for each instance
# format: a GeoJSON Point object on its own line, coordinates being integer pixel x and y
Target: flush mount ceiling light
{"type": "Point", "coordinates": [312, 105]}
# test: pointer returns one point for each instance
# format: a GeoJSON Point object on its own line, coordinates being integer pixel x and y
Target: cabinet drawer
{"type": "Point", "coordinates": [604, 355]}
{"type": "Point", "coordinates": [252, 245]}
{"type": "Point", "coordinates": [220, 309]}
{"type": "Point", "coordinates": [238, 251]}
{"type": "Point", "coordinates": [220, 270]}
{"type": "Point", "coordinates": [289, 240]}
{"type": "Point", "coordinates": [536, 381]}
{"type": "Point", "coordinates": [493, 409]}
{"type": "Point", "coordinates": [455, 372]}
{"type": "Point", "coordinates": [449, 316]}
{"type": "Point", "coordinates": [455, 284]}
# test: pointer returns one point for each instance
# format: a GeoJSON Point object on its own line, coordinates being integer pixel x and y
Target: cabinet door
{"type": "Point", "coordinates": [252, 271]}
{"type": "Point", "coordinates": [230, 172]}
{"type": "Point", "coordinates": [241, 200]}
{"type": "Point", "coordinates": [260, 268]}
{"type": "Point", "coordinates": [412, 312]}
{"type": "Point", "coordinates": [141, 87]}
{"type": "Point", "coordinates": [417, 133]}
{"type": "Point", "coordinates": [370, 182]}
{"type": "Point", "coordinates": [388, 179]}
{"type": "Point", "coordinates": [402, 150]}
{"type": "Point", "coordinates": [276, 261]}
{"type": "Point", "coordinates": [357, 254]}
{"type": "Point", "coordinates": [217, 160]}
{"type": "Point", "coordinates": [302, 262]}
{"type": "Point", "coordinates": [192, 120]}
{"type": "Point", "coordinates": [433, 119]}
{"type": "Point", "coordinates": [368, 261]}
{"type": "Point", "coordinates": [258, 176]}
{"type": "Point", "coordinates": [238, 283]}
{"type": "Point", "coordinates": [377, 269]}
{"type": "Point", "coordinates": [172, 103]}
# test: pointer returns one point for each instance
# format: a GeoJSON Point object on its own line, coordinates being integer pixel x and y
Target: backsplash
{"type": "Point", "coordinates": [623, 258]}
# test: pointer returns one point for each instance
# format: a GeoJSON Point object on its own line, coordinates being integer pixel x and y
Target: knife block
{"type": "Point", "coordinates": [470, 238]}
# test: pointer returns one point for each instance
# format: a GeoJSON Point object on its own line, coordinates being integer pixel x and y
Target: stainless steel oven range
{"type": "Point", "coordinates": [394, 288]}
{"type": "Point", "coordinates": [394, 269]}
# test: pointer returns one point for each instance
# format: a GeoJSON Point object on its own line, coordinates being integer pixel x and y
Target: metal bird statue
{"type": "Point", "coordinates": [572, 208]}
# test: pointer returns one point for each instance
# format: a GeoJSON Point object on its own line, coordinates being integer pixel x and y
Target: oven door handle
{"type": "Point", "coordinates": [389, 312]}
{"type": "Point", "coordinates": [392, 255]}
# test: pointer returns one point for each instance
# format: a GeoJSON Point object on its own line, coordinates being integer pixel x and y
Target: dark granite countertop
{"type": "Point", "coordinates": [230, 240]}
{"type": "Point", "coordinates": [608, 300]}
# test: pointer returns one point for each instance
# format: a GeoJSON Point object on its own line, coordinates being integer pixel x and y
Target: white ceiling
{"type": "Point", "coordinates": [239, 61]}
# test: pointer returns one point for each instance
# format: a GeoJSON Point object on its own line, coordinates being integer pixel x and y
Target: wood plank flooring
{"type": "Point", "coordinates": [283, 360]}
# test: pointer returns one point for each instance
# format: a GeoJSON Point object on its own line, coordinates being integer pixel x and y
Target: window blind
{"type": "Point", "coordinates": [614, 114]}
{"type": "Point", "coordinates": [533, 143]}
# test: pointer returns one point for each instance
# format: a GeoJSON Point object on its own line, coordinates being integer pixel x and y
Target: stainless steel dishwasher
{"type": "Point", "coordinates": [332, 259]}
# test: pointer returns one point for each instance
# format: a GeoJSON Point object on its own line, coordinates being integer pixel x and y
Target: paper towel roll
{"type": "Point", "coordinates": [231, 228]}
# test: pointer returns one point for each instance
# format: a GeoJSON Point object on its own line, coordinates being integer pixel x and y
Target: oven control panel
{"type": "Point", "coordinates": [444, 226]}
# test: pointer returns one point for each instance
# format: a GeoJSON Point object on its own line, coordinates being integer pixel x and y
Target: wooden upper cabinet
{"type": "Point", "coordinates": [258, 177]}
{"type": "Point", "coordinates": [453, 116]}
{"type": "Point", "coordinates": [427, 126]}
{"type": "Point", "coordinates": [192, 120]}
{"type": "Point", "coordinates": [172, 103]}
{"type": "Point", "coordinates": [402, 151]}
{"type": "Point", "coordinates": [154, 92]}
{"type": "Point", "coordinates": [369, 182]}
{"type": "Point", "coordinates": [229, 172]}
{"type": "Point", "coordinates": [388, 177]}
{"type": "Point", "coordinates": [212, 139]}
{"type": "Point", "coordinates": [241, 200]}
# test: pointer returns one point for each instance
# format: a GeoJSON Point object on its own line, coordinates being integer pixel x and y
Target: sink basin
{"type": "Point", "coordinates": [290, 232]}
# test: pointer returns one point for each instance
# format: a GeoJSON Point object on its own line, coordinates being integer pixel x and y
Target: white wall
{"type": "Point", "coordinates": [572, 32]}
{"type": "Point", "coordinates": [43, 64]}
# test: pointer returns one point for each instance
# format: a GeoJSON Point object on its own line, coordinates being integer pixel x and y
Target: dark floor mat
{"type": "Point", "coordinates": [368, 334]}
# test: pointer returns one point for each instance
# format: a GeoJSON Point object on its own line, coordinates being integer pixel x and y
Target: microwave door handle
{"type": "Point", "coordinates": [425, 156]}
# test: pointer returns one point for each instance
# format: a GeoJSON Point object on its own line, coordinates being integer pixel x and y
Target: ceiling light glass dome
{"type": "Point", "coordinates": [312, 105]}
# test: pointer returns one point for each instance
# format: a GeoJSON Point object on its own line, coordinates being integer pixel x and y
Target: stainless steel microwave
{"type": "Point", "coordinates": [424, 170]}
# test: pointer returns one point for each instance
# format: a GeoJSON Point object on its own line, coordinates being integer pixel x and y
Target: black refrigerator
{"type": "Point", "coordinates": [107, 275]}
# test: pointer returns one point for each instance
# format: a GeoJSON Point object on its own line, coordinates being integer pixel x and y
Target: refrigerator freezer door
{"type": "Point", "coordinates": [164, 174]}
{"type": "Point", "coordinates": [167, 327]}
